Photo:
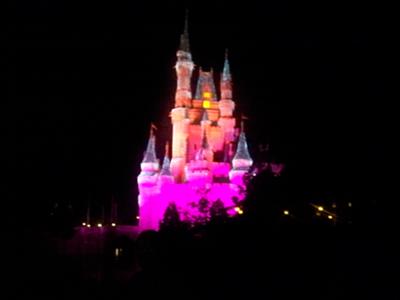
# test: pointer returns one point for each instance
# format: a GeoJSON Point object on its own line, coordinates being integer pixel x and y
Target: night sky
{"type": "Point", "coordinates": [86, 81]}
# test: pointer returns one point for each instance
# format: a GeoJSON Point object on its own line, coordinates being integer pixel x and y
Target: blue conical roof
{"type": "Point", "coordinates": [226, 73]}
{"type": "Point", "coordinates": [165, 169]}
{"type": "Point", "coordinates": [150, 154]}
{"type": "Point", "coordinates": [242, 151]}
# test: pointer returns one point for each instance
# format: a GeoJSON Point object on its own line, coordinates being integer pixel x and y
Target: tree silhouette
{"type": "Point", "coordinates": [171, 217]}
{"type": "Point", "coordinates": [217, 211]}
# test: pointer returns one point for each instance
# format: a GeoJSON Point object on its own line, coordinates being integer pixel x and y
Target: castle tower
{"type": "Point", "coordinates": [183, 98]}
{"type": "Point", "coordinates": [203, 161]}
{"type": "Point", "coordinates": [241, 162]}
{"type": "Point", "coordinates": [226, 104]}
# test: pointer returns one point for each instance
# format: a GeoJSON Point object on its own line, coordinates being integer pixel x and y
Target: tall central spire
{"type": "Point", "coordinates": [184, 45]}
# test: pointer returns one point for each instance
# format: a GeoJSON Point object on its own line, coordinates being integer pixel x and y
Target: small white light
{"type": "Point", "coordinates": [83, 224]}
{"type": "Point", "coordinates": [320, 208]}
{"type": "Point", "coordinates": [113, 224]}
{"type": "Point", "coordinates": [137, 217]}
{"type": "Point", "coordinates": [88, 225]}
{"type": "Point", "coordinates": [350, 204]}
{"type": "Point", "coordinates": [330, 217]}
{"type": "Point", "coordinates": [99, 225]}
{"type": "Point", "coordinates": [286, 212]}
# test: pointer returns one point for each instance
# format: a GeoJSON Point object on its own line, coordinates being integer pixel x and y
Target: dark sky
{"type": "Point", "coordinates": [86, 80]}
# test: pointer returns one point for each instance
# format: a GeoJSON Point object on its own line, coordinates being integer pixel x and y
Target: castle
{"type": "Point", "coordinates": [209, 154]}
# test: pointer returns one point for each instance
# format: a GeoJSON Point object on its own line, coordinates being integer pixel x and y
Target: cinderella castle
{"type": "Point", "coordinates": [209, 153]}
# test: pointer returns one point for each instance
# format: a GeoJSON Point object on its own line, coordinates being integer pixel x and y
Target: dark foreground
{"type": "Point", "coordinates": [233, 260]}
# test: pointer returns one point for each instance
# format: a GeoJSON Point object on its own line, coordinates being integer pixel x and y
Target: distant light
{"type": "Point", "coordinates": [350, 204]}
{"type": "Point", "coordinates": [88, 225]}
{"type": "Point", "coordinates": [99, 225]}
{"type": "Point", "coordinates": [207, 95]}
{"type": "Point", "coordinates": [116, 252]}
{"type": "Point", "coordinates": [113, 224]}
{"type": "Point", "coordinates": [237, 209]}
{"type": "Point", "coordinates": [206, 104]}
{"type": "Point", "coordinates": [286, 212]}
{"type": "Point", "coordinates": [334, 205]}
{"type": "Point", "coordinates": [330, 217]}
{"type": "Point", "coordinates": [83, 224]}
{"type": "Point", "coordinates": [320, 208]}
{"type": "Point", "coordinates": [318, 214]}
{"type": "Point", "coordinates": [240, 212]}
{"type": "Point", "coordinates": [137, 217]}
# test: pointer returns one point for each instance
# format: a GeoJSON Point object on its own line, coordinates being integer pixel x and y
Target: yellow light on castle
{"type": "Point", "coordinates": [330, 217]}
{"type": "Point", "coordinates": [206, 104]}
{"type": "Point", "coordinates": [286, 212]}
{"type": "Point", "coordinates": [206, 95]}
{"type": "Point", "coordinates": [320, 208]}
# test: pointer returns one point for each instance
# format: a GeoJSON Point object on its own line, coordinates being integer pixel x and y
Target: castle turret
{"type": "Point", "coordinates": [226, 104]}
{"type": "Point", "coordinates": [150, 164]}
{"type": "Point", "coordinates": [165, 173]}
{"type": "Point", "coordinates": [183, 100]}
{"type": "Point", "coordinates": [241, 162]}
{"type": "Point", "coordinates": [199, 170]}
{"type": "Point", "coordinates": [184, 68]}
{"type": "Point", "coordinates": [226, 80]}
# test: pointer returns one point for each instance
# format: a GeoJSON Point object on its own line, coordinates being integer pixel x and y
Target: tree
{"type": "Point", "coordinates": [218, 212]}
{"type": "Point", "coordinates": [171, 217]}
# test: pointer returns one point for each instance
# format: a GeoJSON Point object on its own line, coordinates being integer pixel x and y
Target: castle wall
{"type": "Point", "coordinates": [153, 204]}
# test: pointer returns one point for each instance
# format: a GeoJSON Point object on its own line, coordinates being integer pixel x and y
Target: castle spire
{"type": "Point", "coordinates": [202, 153]}
{"type": "Point", "coordinates": [204, 118]}
{"type": "Point", "coordinates": [226, 80]}
{"type": "Point", "coordinates": [226, 73]}
{"type": "Point", "coordinates": [184, 68]}
{"type": "Point", "coordinates": [165, 169]}
{"type": "Point", "coordinates": [184, 43]}
{"type": "Point", "coordinates": [150, 154]}
{"type": "Point", "coordinates": [242, 152]}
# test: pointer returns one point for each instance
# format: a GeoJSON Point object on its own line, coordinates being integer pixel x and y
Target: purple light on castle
{"type": "Point", "coordinates": [209, 154]}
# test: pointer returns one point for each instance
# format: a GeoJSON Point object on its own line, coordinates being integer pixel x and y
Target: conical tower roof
{"type": "Point", "coordinates": [150, 154]}
{"type": "Point", "coordinates": [184, 42]}
{"type": "Point", "coordinates": [226, 73]}
{"type": "Point", "coordinates": [242, 151]}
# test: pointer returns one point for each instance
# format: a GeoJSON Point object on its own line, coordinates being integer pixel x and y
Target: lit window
{"type": "Point", "coordinates": [206, 104]}
{"type": "Point", "coordinates": [207, 95]}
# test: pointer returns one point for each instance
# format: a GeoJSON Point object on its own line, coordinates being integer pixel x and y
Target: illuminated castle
{"type": "Point", "coordinates": [209, 154]}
